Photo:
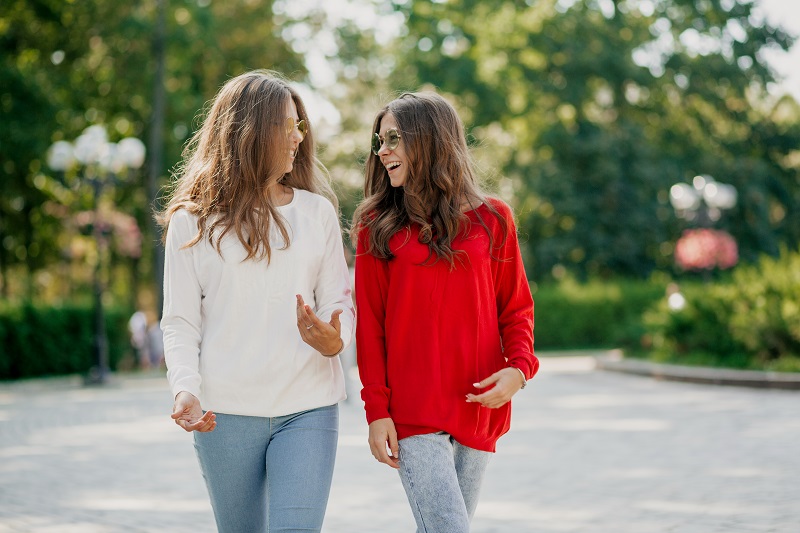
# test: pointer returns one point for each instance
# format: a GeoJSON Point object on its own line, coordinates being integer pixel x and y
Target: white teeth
{"type": "Point", "coordinates": [393, 165]}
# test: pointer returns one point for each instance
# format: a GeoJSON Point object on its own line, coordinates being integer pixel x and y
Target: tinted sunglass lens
{"type": "Point", "coordinates": [376, 143]}
{"type": "Point", "coordinates": [302, 127]}
{"type": "Point", "coordinates": [392, 139]}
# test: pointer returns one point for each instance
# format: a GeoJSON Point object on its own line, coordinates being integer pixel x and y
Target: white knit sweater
{"type": "Point", "coordinates": [230, 326]}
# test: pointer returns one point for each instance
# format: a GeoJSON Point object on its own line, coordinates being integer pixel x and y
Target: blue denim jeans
{"type": "Point", "coordinates": [270, 474]}
{"type": "Point", "coordinates": [442, 480]}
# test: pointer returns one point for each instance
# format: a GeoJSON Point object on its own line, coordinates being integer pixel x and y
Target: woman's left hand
{"type": "Point", "coordinates": [325, 337]}
{"type": "Point", "coordinates": [507, 382]}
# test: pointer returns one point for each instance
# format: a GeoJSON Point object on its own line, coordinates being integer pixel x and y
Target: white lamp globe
{"type": "Point", "coordinates": [131, 151]}
{"type": "Point", "coordinates": [61, 156]}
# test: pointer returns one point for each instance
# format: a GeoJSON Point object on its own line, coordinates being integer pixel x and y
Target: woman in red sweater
{"type": "Point", "coordinates": [444, 310]}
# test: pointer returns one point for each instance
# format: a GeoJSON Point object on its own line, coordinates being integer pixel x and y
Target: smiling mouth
{"type": "Point", "coordinates": [391, 166]}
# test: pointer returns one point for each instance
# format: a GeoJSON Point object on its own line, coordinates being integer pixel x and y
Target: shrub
{"type": "Point", "coordinates": [596, 314]}
{"type": "Point", "coordinates": [40, 341]}
{"type": "Point", "coordinates": [750, 321]}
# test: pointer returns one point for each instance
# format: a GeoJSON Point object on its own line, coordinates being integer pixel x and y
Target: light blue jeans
{"type": "Point", "coordinates": [442, 479]}
{"type": "Point", "coordinates": [270, 474]}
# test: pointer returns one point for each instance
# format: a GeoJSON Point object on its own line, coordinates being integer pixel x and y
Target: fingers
{"type": "Point", "coordinates": [394, 447]}
{"type": "Point", "coordinates": [303, 320]}
{"type": "Point", "coordinates": [205, 423]}
{"type": "Point", "coordinates": [382, 435]}
{"type": "Point", "coordinates": [185, 403]}
{"type": "Point", "coordinates": [504, 388]}
{"type": "Point", "coordinates": [379, 451]}
{"type": "Point", "coordinates": [322, 336]}
{"type": "Point", "coordinates": [187, 413]}
{"type": "Point", "coordinates": [306, 316]}
{"type": "Point", "coordinates": [488, 381]}
{"type": "Point", "coordinates": [491, 399]}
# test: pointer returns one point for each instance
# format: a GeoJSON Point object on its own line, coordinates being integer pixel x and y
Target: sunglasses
{"type": "Point", "coordinates": [392, 141]}
{"type": "Point", "coordinates": [301, 126]}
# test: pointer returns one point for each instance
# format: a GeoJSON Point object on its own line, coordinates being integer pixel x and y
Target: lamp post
{"type": "Point", "coordinates": [99, 162]}
{"type": "Point", "coordinates": [703, 201]}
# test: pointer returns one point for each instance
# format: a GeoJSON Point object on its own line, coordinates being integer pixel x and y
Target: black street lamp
{"type": "Point", "coordinates": [100, 162]}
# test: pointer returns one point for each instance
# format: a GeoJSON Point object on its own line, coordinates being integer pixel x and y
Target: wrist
{"type": "Point", "coordinates": [522, 374]}
{"type": "Point", "coordinates": [340, 350]}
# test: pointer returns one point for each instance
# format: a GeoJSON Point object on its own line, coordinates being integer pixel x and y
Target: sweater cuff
{"type": "Point", "coordinates": [374, 414]}
{"type": "Point", "coordinates": [376, 403]}
{"type": "Point", "coordinates": [527, 364]}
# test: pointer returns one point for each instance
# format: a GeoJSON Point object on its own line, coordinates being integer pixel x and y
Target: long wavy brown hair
{"type": "Point", "coordinates": [232, 166]}
{"type": "Point", "coordinates": [440, 182]}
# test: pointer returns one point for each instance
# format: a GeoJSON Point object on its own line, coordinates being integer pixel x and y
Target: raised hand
{"type": "Point", "coordinates": [325, 337]}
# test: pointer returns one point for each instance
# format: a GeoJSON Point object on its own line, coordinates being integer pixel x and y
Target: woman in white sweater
{"type": "Point", "coordinates": [257, 308]}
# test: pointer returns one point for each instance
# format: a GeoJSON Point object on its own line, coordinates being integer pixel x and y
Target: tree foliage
{"type": "Point", "coordinates": [596, 107]}
{"type": "Point", "coordinates": [67, 65]}
{"type": "Point", "coordinates": [582, 113]}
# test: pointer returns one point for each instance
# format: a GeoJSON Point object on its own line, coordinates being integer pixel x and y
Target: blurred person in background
{"type": "Point", "coordinates": [257, 307]}
{"type": "Point", "coordinates": [137, 327]}
{"type": "Point", "coordinates": [445, 313]}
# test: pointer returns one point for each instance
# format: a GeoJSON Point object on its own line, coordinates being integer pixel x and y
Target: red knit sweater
{"type": "Point", "coordinates": [426, 333]}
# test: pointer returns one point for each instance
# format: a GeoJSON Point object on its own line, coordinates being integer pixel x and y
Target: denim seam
{"type": "Point", "coordinates": [413, 495]}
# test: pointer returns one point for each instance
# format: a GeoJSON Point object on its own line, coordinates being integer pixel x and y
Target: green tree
{"type": "Point", "coordinates": [595, 107]}
{"type": "Point", "coordinates": [67, 65]}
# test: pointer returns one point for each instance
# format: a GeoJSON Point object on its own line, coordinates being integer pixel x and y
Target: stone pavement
{"type": "Point", "coordinates": [589, 452]}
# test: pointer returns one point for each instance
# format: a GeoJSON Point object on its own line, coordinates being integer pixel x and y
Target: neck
{"type": "Point", "coordinates": [280, 194]}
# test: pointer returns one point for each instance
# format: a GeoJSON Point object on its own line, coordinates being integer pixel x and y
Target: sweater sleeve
{"type": "Point", "coordinates": [514, 300]}
{"type": "Point", "coordinates": [332, 290]}
{"type": "Point", "coordinates": [372, 286]}
{"type": "Point", "coordinates": [181, 321]}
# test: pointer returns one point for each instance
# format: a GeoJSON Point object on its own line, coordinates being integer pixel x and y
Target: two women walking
{"type": "Point", "coordinates": [257, 306]}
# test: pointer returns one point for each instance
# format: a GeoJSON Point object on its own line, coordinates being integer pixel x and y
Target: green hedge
{"type": "Point", "coordinates": [41, 341]}
{"type": "Point", "coordinates": [596, 314]}
{"type": "Point", "coordinates": [750, 321]}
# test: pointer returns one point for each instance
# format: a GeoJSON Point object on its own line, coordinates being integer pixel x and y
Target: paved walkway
{"type": "Point", "coordinates": [589, 452]}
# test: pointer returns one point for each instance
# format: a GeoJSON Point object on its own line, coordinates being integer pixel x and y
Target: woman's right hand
{"type": "Point", "coordinates": [187, 413]}
{"type": "Point", "coordinates": [382, 435]}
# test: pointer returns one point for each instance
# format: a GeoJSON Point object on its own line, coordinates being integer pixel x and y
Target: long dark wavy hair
{"type": "Point", "coordinates": [440, 182]}
{"type": "Point", "coordinates": [237, 158]}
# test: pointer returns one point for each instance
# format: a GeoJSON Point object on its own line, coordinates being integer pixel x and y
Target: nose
{"type": "Point", "coordinates": [296, 137]}
{"type": "Point", "coordinates": [383, 150]}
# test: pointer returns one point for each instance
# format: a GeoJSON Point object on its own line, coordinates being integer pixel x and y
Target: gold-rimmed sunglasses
{"type": "Point", "coordinates": [391, 139]}
{"type": "Point", "coordinates": [301, 126]}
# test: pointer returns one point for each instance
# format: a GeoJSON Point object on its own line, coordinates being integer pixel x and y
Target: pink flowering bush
{"type": "Point", "coordinates": [706, 249]}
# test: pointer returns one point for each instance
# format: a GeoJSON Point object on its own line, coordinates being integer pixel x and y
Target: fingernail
{"type": "Point", "coordinates": [478, 385]}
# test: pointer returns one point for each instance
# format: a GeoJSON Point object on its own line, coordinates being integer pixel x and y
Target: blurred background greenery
{"type": "Point", "coordinates": [582, 114]}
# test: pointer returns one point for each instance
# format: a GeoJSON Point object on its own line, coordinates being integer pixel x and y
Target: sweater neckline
{"type": "Point", "coordinates": [292, 202]}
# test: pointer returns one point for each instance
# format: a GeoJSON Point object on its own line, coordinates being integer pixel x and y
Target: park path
{"type": "Point", "coordinates": [589, 452]}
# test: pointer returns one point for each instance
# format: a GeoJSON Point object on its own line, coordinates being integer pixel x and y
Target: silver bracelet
{"type": "Point", "coordinates": [524, 380]}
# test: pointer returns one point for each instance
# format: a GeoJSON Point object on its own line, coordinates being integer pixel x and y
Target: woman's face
{"type": "Point", "coordinates": [296, 136]}
{"type": "Point", "coordinates": [394, 159]}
